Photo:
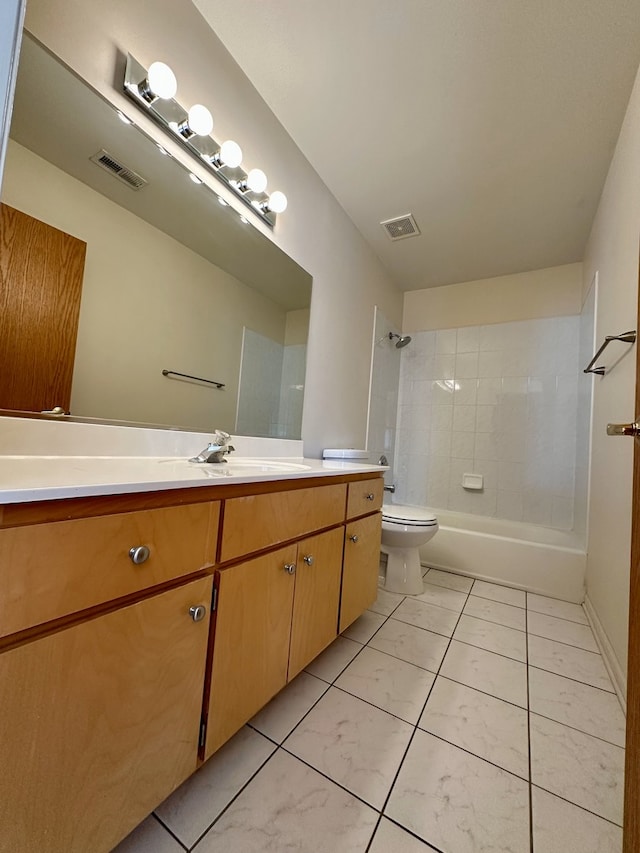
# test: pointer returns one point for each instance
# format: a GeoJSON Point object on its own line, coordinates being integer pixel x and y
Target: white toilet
{"type": "Point", "coordinates": [404, 530]}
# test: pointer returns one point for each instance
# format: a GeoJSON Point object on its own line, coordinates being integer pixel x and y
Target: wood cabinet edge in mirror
{"type": "Point", "coordinates": [212, 301]}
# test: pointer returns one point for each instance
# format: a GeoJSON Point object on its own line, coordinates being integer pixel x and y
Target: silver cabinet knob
{"type": "Point", "coordinates": [290, 568]}
{"type": "Point", "coordinates": [623, 429]}
{"type": "Point", "coordinates": [353, 538]}
{"type": "Point", "coordinates": [369, 497]}
{"type": "Point", "coordinates": [309, 559]}
{"type": "Point", "coordinates": [197, 612]}
{"type": "Point", "coordinates": [139, 554]}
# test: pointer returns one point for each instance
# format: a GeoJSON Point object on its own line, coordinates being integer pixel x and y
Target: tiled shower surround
{"type": "Point", "coordinates": [499, 400]}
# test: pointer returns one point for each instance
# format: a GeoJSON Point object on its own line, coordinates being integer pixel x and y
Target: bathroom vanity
{"type": "Point", "coordinates": [140, 630]}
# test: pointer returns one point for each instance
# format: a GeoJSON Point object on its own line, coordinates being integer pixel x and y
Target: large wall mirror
{"type": "Point", "coordinates": [172, 279]}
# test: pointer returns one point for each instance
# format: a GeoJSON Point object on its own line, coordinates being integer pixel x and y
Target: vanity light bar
{"type": "Point", "coordinates": [179, 124]}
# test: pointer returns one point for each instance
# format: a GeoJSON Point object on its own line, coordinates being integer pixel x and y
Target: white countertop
{"type": "Point", "coordinates": [36, 478]}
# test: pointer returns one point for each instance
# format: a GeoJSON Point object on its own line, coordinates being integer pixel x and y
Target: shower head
{"type": "Point", "coordinates": [402, 341]}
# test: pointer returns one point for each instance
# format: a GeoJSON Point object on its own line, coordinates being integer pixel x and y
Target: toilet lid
{"type": "Point", "coordinates": [417, 515]}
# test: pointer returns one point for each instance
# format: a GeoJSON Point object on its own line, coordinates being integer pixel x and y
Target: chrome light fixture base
{"type": "Point", "coordinates": [171, 116]}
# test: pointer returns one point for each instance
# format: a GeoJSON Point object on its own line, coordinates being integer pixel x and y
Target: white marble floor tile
{"type": "Point", "coordinates": [496, 592]}
{"type": "Point", "coordinates": [386, 602]}
{"type": "Point", "coordinates": [493, 637]}
{"type": "Point", "coordinates": [149, 837]}
{"type": "Point", "coordinates": [190, 810]}
{"type": "Point", "coordinates": [459, 803]}
{"type": "Point", "coordinates": [555, 607]}
{"type": "Point", "coordinates": [496, 611]}
{"type": "Point", "coordinates": [284, 712]}
{"type": "Point", "coordinates": [577, 767]}
{"type": "Point", "coordinates": [410, 643]}
{"type": "Point", "coordinates": [562, 630]}
{"type": "Point", "coordinates": [353, 743]}
{"type": "Point", "coordinates": [486, 671]}
{"type": "Point", "coordinates": [364, 627]}
{"type": "Point", "coordinates": [561, 826]}
{"type": "Point", "coordinates": [488, 727]}
{"type": "Point", "coordinates": [569, 661]}
{"type": "Point", "coordinates": [441, 596]}
{"type": "Point", "coordinates": [580, 706]}
{"type": "Point", "coordinates": [391, 684]}
{"type": "Point", "coordinates": [290, 807]}
{"type": "Point", "coordinates": [448, 579]}
{"type": "Point", "coordinates": [427, 616]}
{"type": "Point", "coordinates": [390, 838]}
{"type": "Point", "coordinates": [334, 659]}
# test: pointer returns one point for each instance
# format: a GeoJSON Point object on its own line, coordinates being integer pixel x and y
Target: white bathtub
{"type": "Point", "coordinates": [526, 556]}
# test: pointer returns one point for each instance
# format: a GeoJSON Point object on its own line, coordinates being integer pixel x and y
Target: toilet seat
{"type": "Point", "coordinates": [416, 516]}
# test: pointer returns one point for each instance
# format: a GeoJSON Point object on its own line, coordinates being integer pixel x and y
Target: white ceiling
{"type": "Point", "coordinates": [492, 121]}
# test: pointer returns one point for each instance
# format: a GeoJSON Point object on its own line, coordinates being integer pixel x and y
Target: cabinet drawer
{"type": "Point", "coordinates": [52, 570]}
{"type": "Point", "coordinates": [259, 521]}
{"type": "Point", "coordinates": [364, 496]}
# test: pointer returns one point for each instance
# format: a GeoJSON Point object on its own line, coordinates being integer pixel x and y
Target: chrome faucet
{"type": "Point", "coordinates": [216, 450]}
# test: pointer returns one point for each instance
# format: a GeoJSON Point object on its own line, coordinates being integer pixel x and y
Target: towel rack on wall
{"type": "Point", "coordinates": [197, 378]}
{"type": "Point", "coordinates": [625, 337]}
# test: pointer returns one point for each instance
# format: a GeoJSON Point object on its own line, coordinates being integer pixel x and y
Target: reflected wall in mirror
{"type": "Point", "coordinates": [173, 280]}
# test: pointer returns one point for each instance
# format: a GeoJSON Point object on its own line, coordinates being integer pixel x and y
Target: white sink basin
{"type": "Point", "coordinates": [238, 466]}
{"type": "Point", "coordinates": [261, 465]}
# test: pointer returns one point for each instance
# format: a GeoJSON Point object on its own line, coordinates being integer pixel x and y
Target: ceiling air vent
{"type": "Point", "coordinates": [401, 227]}
{"type": "Point", "coordinates": [127, 176]}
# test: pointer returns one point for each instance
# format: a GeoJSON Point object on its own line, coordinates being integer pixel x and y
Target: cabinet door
{"type": "Point", "coordinates": [361, 564]}
{"type": "Point", "coordinates": [317, 597]}
{"type": "Point", "coordinates": [251, 644]}
{"type": "Point", "coordinates": [100, 723]}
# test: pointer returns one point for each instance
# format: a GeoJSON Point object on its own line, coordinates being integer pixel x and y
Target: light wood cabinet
{"type": "Point", "coordinates": [251, 646]}
{"type": "Point", "coordinates": [274, 615]}
{"type": "Point", "coordinates": [360, 568]}
{"type": "Point", "coordinates": [256, 522]}
{"type": "Point", "coordinates": [100, 723]}
{"type": "Point", "coordinates": [317, 598]}
{"type": "Point", "coordinates": [364, 496]}
{"type": "Point", "coordinates": [50, 570]}
{"type": "Point", "coordinates": [112, 692]}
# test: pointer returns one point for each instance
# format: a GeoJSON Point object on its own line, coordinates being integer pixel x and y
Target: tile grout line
{"type": "Point", "coordinates": [169, 831]}
{"type": "Point", "coordinates": [576, 680]}
{"type": "Point", "coordinates": [234, 798]}
{"type": "Point", "coordinates": [575, 729]}
{"type": "Point", "coordinates": [577, 806]}
{"type": "Point", "coordinates": [530, 786]}
{"type": "Point", "coordinates": [415, 728]}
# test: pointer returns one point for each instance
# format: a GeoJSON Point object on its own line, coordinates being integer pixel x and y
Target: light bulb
{"type": "Point", "coordinates": [230, 154]}
{"type": "Point", "coordinates": [277, 202]}
{"type": "Point", "coordinates": [200, 120]}
{"type": "Point", "coordinates": [161, 80]}
{"type": "Point", "coordinates": [257, 181]}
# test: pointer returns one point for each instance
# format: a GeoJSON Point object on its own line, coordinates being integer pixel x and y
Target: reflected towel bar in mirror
{"type": "Point", "coordinates": [197, 378]}
{"type": "Point", "coordinates": [625, 337]}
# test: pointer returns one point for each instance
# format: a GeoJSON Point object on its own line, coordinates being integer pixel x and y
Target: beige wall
{"type": "Point", "coordinates": [297, 330]}
{"type": "Point", "coordinates": [137, 318]}
{"type": "Point", "coordinates": [549, 292]}
{"type": "Point", "coordinates": [612, 251]}
{"type": "Point", "coordinates": [348, 280]}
